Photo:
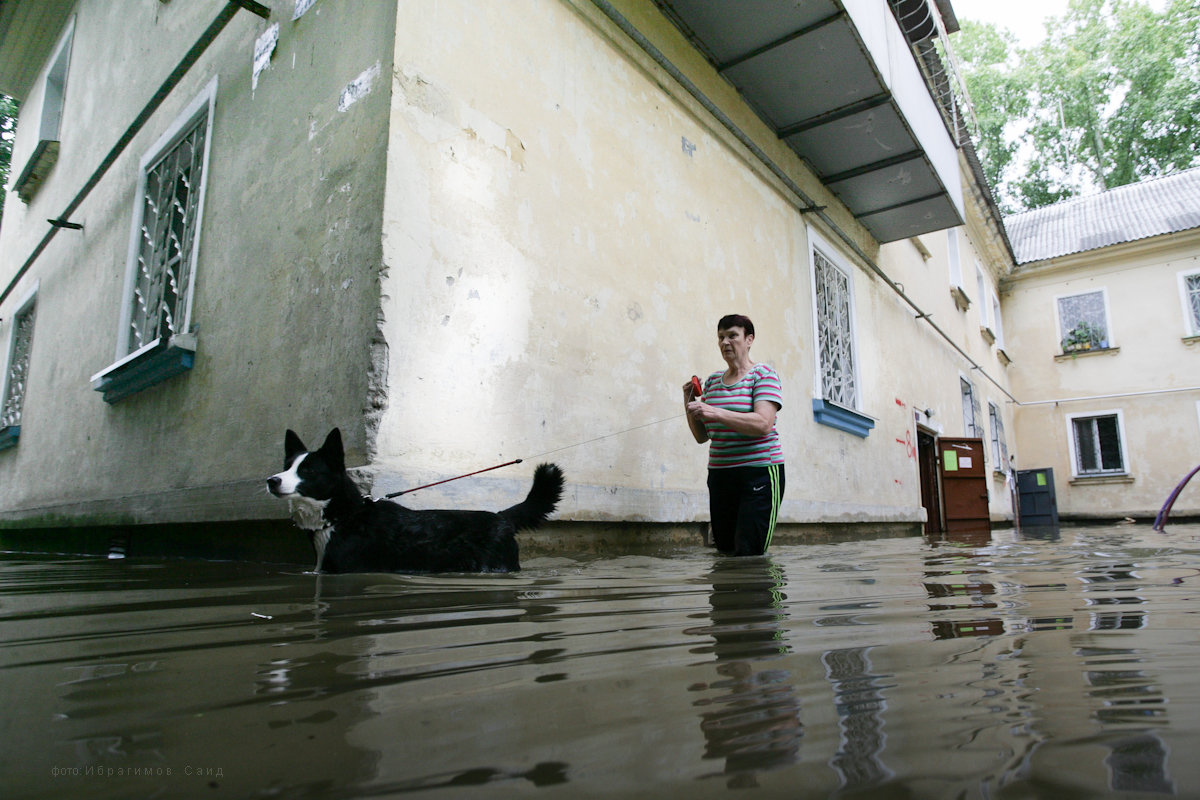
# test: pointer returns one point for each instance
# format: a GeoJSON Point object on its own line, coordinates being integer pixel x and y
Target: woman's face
{"type": "Point", "coordinates": [735, 344]}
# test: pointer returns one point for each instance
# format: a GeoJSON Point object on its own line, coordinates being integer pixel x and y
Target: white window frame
{"type": "Point", "coordinates": [54, 87]}
{"type": "Point", "coordinates": [818, 243]}
{"type": "Point", "coordinates": [997, 323]}
{"type": "Point", "coordinates": [27, 302]}
{"type": "Point", "coordinates": [203, 104]}
{"type": "Point", "coordinates": [1062, 330]}
{"type": "Point", "coordinates": [981, 284]}
{"type": "Point", "coordinates": [999, 439]}
{"type": "Point", "coordinates": [1074, 455]}
{"type": "Point", "coordinates": [971, 428]}
{"type": "Point", "coordinates": [954, 257]}
{"type": "Point", "coordinates": [32, 172]}
{"type": "Point", "coordinates": [1191, 318]}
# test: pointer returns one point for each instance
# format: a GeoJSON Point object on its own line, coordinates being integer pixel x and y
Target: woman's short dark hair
{"type": "Point", "coordinates": [736, 321]}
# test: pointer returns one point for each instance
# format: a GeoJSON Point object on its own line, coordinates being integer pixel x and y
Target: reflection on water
{"type": "Point", "coordinates": [1005, 665]}
{"type": "Point", "coordinates": [751, 715]}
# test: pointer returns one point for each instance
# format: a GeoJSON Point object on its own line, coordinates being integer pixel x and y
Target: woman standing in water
{"type": "Point", "coordinates": [736, 415]}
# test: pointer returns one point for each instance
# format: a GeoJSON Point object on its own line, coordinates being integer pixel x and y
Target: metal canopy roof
{"type": "Point", "coordinates": [29, 29]}
{"type": "Point", "coordinates": [837, 82]}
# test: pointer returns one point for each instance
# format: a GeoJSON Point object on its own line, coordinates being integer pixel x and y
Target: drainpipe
{"type": "Point", "coordinates": [810, 206]}
{"type": "Point", "coordinates": [189, 59]}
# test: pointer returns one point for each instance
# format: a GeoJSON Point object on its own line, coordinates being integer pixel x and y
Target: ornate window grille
{"type": "Point", "coordinates": [835, 333]}
{"type": "Point", "coordinates": [162, 283]}
{"type": "Point", "coordinates": [1192, 287]}
{"type": "Point", "coordinates": [1083, 319]}
{"type": "Point", "coordinates": [18, 368]}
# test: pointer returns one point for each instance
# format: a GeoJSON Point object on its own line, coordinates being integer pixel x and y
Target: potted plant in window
{"type": "Point", "coordinates": [1082, 337]}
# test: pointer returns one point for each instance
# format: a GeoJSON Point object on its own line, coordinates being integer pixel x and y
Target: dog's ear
{"type": "Point", "coordinates": [332, 450]}
{"type": "Point", "coordinates": [292, 447]}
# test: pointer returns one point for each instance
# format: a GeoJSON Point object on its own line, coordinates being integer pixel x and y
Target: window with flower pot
{"type": "Point", "coordinates": [1083, 322]}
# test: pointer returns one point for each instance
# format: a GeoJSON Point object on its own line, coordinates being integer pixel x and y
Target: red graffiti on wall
{"type": "Point", "coordinates": [909, 448]}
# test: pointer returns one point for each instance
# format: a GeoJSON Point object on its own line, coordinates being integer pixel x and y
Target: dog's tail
{"type": "Point", "coordinates": [542, 499]}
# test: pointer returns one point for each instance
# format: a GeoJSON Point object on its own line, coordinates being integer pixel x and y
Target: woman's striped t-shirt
{"type": "Point", "coordinates": [727, 447]}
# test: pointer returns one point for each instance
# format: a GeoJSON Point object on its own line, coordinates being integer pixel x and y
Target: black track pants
{"type": "Point", "coordinates": [743, 504]}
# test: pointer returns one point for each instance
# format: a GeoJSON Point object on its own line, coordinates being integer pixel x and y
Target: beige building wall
{"type": "Point", "coordinates": [469, 233]}
{"type": "Point", "coordinates": [1149, 376]}
{"type": "Point", "coordinates": [563, 228]}
{"type": "Point", "coordinates": [286, 271]}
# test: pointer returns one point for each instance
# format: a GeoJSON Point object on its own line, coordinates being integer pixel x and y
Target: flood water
{"type": "Point", "coordinates": [1055, 667]}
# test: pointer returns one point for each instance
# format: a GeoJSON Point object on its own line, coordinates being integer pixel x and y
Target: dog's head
{"type": "Point", "coordinates": [313, 475]}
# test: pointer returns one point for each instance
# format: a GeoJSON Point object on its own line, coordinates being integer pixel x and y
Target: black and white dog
{"type": "Point", "coordinates": [353, 533]}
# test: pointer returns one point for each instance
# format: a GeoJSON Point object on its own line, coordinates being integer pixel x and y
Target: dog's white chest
{"type": "Point", "coordinates": [320, 541]}
{"type": "Point", "coordinates": [308, 514]}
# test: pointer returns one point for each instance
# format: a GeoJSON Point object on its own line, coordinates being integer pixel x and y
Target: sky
{"type": "Point", "coordinates": [1023, 17]}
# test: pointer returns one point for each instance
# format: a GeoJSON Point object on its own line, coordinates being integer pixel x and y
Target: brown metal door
{"type": "Point", "coordinates": [964, 485]}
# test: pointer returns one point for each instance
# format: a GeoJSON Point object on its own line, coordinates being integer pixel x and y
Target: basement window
{"type": "Point", "coordinates": [16, 372]}
{"type": "Point", "coordinates": [157, 339]}
{"type": "Point", "coordinates": [1097, 446]}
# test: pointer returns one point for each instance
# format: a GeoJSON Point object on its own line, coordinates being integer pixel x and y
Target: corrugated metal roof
{"type": "Point", "coordinates": [1153, 207]}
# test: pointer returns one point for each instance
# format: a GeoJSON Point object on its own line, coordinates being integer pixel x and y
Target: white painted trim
{"type": "Point", "coordinates": [1108, 326]}
{"type": "Point", "coordinates": [1190, 326]}
{"type": "Point", "coordinates": [981, 283]}
{"type": "Point", "coordinates": [204, 102]}
{"type": "Point", "coordinates": [954, 258]}
{"type": "Point", "coordinates": [835, 257]}
{"type": "Point", "coordinates": [962, 376]}
{"type": "Point", "coordinates": [28, 299]}
{"type": "Point", "coordinates": [59, 61]}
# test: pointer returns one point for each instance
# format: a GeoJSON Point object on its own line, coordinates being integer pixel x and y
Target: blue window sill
{"type": "Point", "coordinates": [842, 418]}
{"type": "Point", "coordinates": [9, 435]}
{"type": "Point", "coordinates": [153, 364]}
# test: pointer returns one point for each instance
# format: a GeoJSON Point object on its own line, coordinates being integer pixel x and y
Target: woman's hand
{"type": "Point", "coordinates": [758, 422]}
{"type": "Point", "coordinates": [695, 421]}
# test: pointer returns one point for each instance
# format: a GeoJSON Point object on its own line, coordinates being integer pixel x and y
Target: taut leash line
{"type": "Point", "coordinates": [539, 455]}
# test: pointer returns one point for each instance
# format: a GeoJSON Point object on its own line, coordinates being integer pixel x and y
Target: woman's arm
{"type": "Point", "coordinates": [751, 423]}
{"type": "Point", "coordinates": [695, 424]}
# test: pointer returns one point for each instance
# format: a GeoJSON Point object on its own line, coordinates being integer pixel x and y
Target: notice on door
{"type": "Point", "coordinates": [950, 461]}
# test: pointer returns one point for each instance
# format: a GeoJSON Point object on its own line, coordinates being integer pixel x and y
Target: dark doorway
{"type": "Point", "coordinates": [930, 497]}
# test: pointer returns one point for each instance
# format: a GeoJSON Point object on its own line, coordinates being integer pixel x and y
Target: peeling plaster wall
{"type": "Point", "coordinates": [287, 277]}
{"type": "Point", "coordinates": [563, 228]}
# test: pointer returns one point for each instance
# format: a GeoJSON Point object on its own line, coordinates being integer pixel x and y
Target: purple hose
{"type": "Point", "coordinates": [1161, 520]}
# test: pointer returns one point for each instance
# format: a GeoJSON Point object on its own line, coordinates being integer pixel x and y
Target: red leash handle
{"type": "Point", "coordinates": [697, 388]}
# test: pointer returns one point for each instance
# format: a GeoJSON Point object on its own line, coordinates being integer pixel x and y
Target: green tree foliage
{"type": "Point", "coordinates": [8, 129]}
{"type": "Point", "coordinates": [1109, 98]}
